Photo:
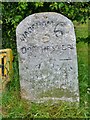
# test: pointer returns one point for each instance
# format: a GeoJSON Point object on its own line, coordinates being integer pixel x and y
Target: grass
{"type": "Point", "coordinates": [14, 107]}
{"type": "Point", "coordinates": [81, 29]}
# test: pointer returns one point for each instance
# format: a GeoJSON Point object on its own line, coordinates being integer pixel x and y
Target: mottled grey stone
{"type": "Point", "coordinates": [48, 68]}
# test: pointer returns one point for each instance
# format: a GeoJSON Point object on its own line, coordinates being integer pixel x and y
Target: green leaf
{"type": "Point", "coordinates": [17, 18]}
{"type": "Point", "coordinates": [1, 22]}
{"type": "Point", "coordinates": [60, 5]}
{"type": "Point", "coordinates": [38, 4]}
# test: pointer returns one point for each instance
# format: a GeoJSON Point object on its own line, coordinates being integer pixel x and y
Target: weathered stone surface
{"type": "Point", "coordinates": [48, 69]}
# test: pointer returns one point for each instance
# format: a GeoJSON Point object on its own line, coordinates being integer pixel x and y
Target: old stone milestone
{"type": "Point", "coordinates": [48, 68]}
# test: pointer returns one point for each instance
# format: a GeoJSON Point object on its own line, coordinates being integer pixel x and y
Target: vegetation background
{"type": "Point", "coordinates": [12, 14]}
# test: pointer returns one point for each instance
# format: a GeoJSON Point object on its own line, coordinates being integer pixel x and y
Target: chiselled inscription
{"type": "Point", "coordinates": [46, 48]}
{"type": "Point", "coordinates": [58, 29]}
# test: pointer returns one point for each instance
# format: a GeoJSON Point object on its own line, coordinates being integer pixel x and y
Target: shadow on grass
{"type": "Point", "coordinates": [85, 40]}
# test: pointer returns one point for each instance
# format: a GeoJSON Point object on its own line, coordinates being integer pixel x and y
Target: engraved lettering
{"type": "Point", "coordinates": [24, 50]}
